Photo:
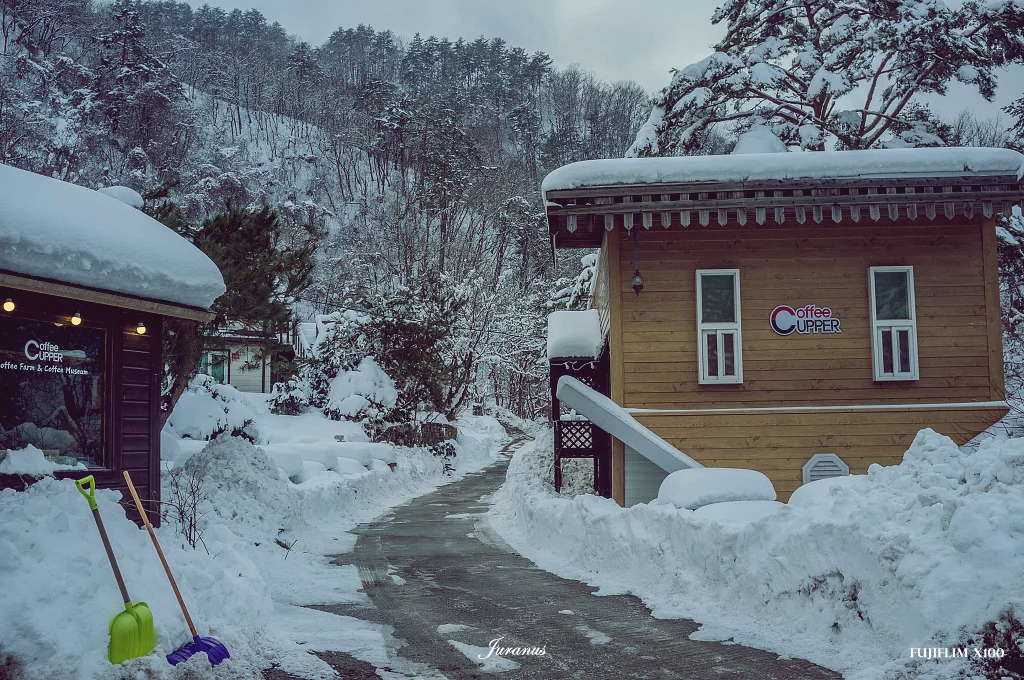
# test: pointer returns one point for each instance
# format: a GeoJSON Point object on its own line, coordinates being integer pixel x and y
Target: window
{"type": "Point", "coordinates": [718, 326]}
{"type": "Point", "coordinates": [52, 389]}
{"type": "Point", "coordinates": [213, 364]}
{"type": "Point", "coordinates": [893, 323]}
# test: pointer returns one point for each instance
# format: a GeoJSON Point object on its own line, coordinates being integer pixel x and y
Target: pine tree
{"type": "Point", "coordinates": [820, 73]}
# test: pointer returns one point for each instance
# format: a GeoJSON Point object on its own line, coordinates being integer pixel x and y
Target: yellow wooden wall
{"type": "Point", "coordinates": [654, 346]}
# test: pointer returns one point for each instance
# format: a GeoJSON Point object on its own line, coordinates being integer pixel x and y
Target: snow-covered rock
{"type": "Point", "coordinates": [696, 487]}
{"type": "Point", "coordinates": [56, 230]}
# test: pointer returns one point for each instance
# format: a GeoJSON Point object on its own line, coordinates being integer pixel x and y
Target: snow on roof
{"type": "Point", "coordinates": [875, 163]}
{"type": "Point", "coordinates": [574, 334]}
{"type": "Point", "coordinates": [125, 195]}
{"type": "Point", "coordinates": [56, 230]}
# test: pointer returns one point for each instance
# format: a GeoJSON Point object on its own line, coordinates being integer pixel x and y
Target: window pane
{"type": "Point", "coordinates": [729, 354]}
{"type": "Point", "coordinates": [712, 347]}
{"type": "Point", "coordinates": [903, 339]}
{"type": "Point", "coordinates": [718, 299]}
{"type": "Point", "coordinates": [892, 296]}
{"type": "Point", "coordinates": [887, 352]}
{"type": "Point", "coordinates": [51, 390]}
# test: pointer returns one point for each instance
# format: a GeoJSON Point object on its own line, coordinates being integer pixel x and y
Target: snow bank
{"type": "Point", "coordinates": [127, 196]}
{"type": "Point", "coordinates": [31, 461]}
{"type": "Point", "coordinates": [56, 230]}
{"type": "Point", "coordinates": [880, 163]}
{"type": "Point", "coordinates": [759, 139]}
{"type": "Point", "coordinates": [696, 487]}
{"type": "Point", "coordinates": [574, 334]}
{"type": "Point", "coordinates": [60, 593]}
{"type": "Point", "coordinates": [922, 554]}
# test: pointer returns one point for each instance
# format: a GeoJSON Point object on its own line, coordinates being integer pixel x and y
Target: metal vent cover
{"type": "Point", "coordinates": [824, 466]}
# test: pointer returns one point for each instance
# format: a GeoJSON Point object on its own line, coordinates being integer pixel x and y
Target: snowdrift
{"type": "Point", "coordinates": [922, 554]}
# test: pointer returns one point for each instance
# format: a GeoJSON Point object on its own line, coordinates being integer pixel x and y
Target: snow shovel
{"type": "Point", "coordinates": [215, 649]}
{"type": "Point", "coordinates": [131, 632]}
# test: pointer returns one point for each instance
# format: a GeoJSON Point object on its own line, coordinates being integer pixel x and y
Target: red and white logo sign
{"type": "Point", "coordinates": [786, 320]}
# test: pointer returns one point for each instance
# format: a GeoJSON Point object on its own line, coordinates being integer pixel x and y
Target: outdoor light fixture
{"type": "Point", "coordinates": [638, 280]}
{"type": "Point", "coordinates": [9, 305]}
{"type": "Point", "coordinates": [76, 319]}
{"type": "Point", "coordinates": [141, 328]}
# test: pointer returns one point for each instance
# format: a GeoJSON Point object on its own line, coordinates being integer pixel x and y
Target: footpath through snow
{"type": "Point", "coordinates": [928, 553]}
{"type": "Point", "coordinates": [268, 533]}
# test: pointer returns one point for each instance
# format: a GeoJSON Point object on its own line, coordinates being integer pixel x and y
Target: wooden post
{"type": "Point", "coordinates": [993, 308]}
{"type": "Point", "coordinates": [615, 288]}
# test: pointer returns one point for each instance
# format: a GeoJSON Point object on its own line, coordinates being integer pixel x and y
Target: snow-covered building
{"type": "Point", "coordinates": [801, 314]}
{"type": "Point", "coordinates": [86, 281]}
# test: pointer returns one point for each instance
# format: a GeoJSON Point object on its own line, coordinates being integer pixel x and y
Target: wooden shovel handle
{"type": "Point", "coordinates": [163, 560]}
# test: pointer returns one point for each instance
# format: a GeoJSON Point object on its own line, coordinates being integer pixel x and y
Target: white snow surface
{"type": "Point", "coordinates": [31, 461]}
{"type": "Point", "coordinates": [574, 334]}
{"type": "Point", "coordinates": [759, 139]}
{"type": "Point", "coordinates": [56, 230]}
{"type": "Point", "coordinates": [695, 487]}
{"type": "Point", "coordinates": [739, 512]}
{"type": "Point", "coordinates": [125, 195]}
{"type": "Point", "coordinates": [875, 163]}
{"type": "Point", "coordinates": [921, 554]}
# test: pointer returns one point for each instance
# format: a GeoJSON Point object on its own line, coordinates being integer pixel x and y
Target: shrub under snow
{"type": "Point", "coordinates": [928, 553]}
{"type": "Point", "coordinates": [208, 409]}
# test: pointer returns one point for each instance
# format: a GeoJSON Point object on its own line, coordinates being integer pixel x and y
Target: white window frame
{"type": "Point", "coordinates": [704, 329]}
{"type": "Point", "coordinates": [878, 326]}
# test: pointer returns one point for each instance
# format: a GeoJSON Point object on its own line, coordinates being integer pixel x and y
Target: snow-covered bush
{"type": "Point", "coordinates": [289, 398]}
{"type": "Point", "coordinates": [365, 394]}
{"type": "Point", "coordinates": [207, 409]}
{"type": "Point", "coordinates": [927, 553]}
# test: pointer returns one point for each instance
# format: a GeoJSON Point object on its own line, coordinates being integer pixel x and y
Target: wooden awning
{"type": "Point", "coordinates": [101, 297]}
{"type": "Point", "coordinates": [578, 217]}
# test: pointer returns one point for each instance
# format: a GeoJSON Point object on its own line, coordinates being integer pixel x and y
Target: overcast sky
{"type": "Point", "coordinates": [616, 39]}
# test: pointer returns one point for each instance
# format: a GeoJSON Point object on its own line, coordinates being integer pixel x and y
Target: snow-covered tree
{"type": "Point", "coordinates": [834, 73]}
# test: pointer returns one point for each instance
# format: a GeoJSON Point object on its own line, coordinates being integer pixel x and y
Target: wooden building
{"type": "Point", "coordinates": [86, 283]}
{"type": "Point", "coordinates": [801, 314]}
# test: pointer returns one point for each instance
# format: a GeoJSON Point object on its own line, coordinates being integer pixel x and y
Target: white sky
{"type": "Point", "coordinates": [616, 39]}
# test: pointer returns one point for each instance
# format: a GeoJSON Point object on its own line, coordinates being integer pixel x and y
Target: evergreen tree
{"type": "Point", "coordinates": [831, 72]}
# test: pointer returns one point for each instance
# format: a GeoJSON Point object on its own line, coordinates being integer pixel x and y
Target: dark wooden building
{"type": "Point", "coordinates": [80, 345]}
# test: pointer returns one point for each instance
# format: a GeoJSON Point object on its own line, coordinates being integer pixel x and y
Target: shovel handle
{"type": "Point", "coordinates": [160, 553]}
{"type": "Point", "coordinates": [90, 496]}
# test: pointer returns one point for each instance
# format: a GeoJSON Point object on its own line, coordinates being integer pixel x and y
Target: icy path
{"type": "Point", "coordinates": [445, 585]}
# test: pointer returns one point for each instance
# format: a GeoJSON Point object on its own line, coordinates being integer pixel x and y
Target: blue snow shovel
{"type": "Point", "coordinates": [215, 649]}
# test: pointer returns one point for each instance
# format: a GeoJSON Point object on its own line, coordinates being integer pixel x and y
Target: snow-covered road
{"type": "Point", "coordinates": [444, 586]}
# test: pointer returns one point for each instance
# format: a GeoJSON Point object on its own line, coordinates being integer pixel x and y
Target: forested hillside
{"type": "Point", "coordinates": [395, 156]}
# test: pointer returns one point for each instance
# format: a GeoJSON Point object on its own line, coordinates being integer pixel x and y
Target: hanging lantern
{"type": "Point", "coordinates": [76, 319]}
{"type": "Point", "coordinates": [141, 328]}
{"type": "Point", "coordinates": [9, 305]}
{"type": "Point", "coordinates": [638, 279]}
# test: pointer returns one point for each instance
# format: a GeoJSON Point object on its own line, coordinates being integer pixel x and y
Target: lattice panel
{"type": "Point", "coordinates": [577, 434]}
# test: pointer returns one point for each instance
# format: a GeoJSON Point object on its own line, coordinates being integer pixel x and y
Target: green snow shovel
{"type": "Point", "coordinates": [131, 632]}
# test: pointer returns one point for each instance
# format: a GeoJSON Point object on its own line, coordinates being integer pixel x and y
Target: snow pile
{"type": "Point", "coordinates": [361, 391]}
{"type": "Point", "coordinates": [208, 409]}
{"type": "Point", "coordinates": [923, 554]}
{"type": "Point", "coordinates": [60, 593]}
{"type": "Point", "coordinates": [31, 461]}
{"type": "Point", "coordinates": [695, 487]}
{"type": "Point", "coordinates": [574, 334]}
{"type": "Point", "coordinates": [125, 195]}
{"type": "Point", "coordinates": [875, 163]}
{"type": "Point", "coordinates": [56, 230]}
{"type": "Point", "coordinates": [759, 139]}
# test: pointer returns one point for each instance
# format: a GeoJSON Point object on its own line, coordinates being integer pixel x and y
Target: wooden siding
{"type": "Point", "coordinates": [779, 443]}
{"type": "Point", "coordinates": [960, 350]}
{"type": "Point", "coordinates": [133, 373]}
{"type": "Point", "coordinates": [643, 479]}
{"type": "Point", "coordinates": [799, 266]}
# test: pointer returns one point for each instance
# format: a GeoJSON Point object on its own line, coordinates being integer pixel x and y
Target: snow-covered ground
{"type": "Point", "coordinates": [852, 576]}
{"type": "Point", "coordinates": [268, 542]}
